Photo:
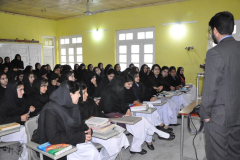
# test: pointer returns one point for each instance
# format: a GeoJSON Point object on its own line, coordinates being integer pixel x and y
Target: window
{"type": "Point", "coordinates": [71, 50]}
{"type": "Point", "coordinates": [136, 46]}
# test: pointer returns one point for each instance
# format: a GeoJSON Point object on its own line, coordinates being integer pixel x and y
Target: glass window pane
{"type": "Point", "coordinates": [50, 43]}
{"type": "Point", "coordinates": [79, 50]}
{"type": "Point", "coordinates": [135, 49]}
{"type": "Point", "coordinates": [150, 65]}
{"type": "Point", "coordinates": [136, 65]}
{"type": "Point", "coordinates": [66, 41]}
{"type": "Point", "coordinates": [141, 35]}
{"type": "Point", "coordinates": [135, 58]}
{"type": "Point", "coordinates": [149, 35]}
{"type": "Point", "coordinates": [79, 40]}
{"type": "Point", "coordinates": [46, 43]}
{"type": "Point", "coordinates": [62, 41]}
{"type": "Point", "coordinates": [121, 36]}
{"type": "Point", "coordinates": [72, 65]}
{"type": "Point", "coordinates": [63, 63]}
{"type": "Point", "coordinates": [74, 40]}
{"type": "Point", "coordinates": [129, 36]}
{"type": "Point", "coordinates": [70, 51]}
{"type": "Point", "coordinates": [123, 66]}
{"type": "Point", "coordinates": [79, 59]}
{"type": "Point", "coordinates": [63, 58]}
{"type": "Point", "coordinates": [123, 58]}
{"type": "Point", "coordinates": [148, 48]}
{"type": "Point", "coordinates": [71, 58]}
{"type": "Point", "coordinates": [123, 49]}
{"type": "Point", "coordinates": [148, 58]}
{"type": "Point", "coordinates": [63, 51]}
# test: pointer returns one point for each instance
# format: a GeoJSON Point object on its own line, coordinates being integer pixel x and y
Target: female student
{"type": "Point", "coordinates": [117, 69]}
{"type": "Point", "coordinates": [90, 67]}
{"type": "Point", "coordinates": [37, 69]}
{"type": "Point", "coordinates": [28, 69]}
{"type": "Point", "coordinates": [90, 80]}
{"type": "Point", "coordinates": [53, 83]}
{"type": "Point", "coordinates": [7, 63]}
{"type": "Point", "coordinates": [17, 62]}
{"type": "Point", "coordinates": [81, 71]}
{"type": "Point", "coordinates": [109, 66]}
{"type": "Point", "coordinates": [164, 74]}
{"type": "Point", "coordinates": [98, 74]}
{"type": "Point", "coordinates": [68, 75]}
{"type": "Point", "coordinates": [38, 98]}
{"type": "Point", "coordinates": [20, 75]}
{"type": "Point", "coordinates": [105, 80]}
{"type": "Point", "coordinates": [143, 74]}
{"type": "Point", "coordinates": [88, 108]}
{"type": "Point", "coordinates": [155, 81]}
{"type": "Point", "coordinates": [15, 109]}
{"type": "Point", "coordinates": [5, 69]}
{"type": "Point", "coordinates": [112, 104]}
{"type": "Point", "coordinates": [12, 75]}
{"type": "Point", "coordinates": [28, 79]}
{"type": "Point", "coordinates": [60, 122]}
{"type": "Point", "coordinates": [100, 66]}
{"type": "Point", "coordinates": [131, 65]}
{"type": "Point", "coordinates": [180, 74]}
{"type": "Point", "coordinates": [76, 74]}
{"type": "Point", "coordinates": [174, 80]}
{"type": "Point", "coordinates": [1, 64]}
{"type": "Point", "coordinates": [3, 85]}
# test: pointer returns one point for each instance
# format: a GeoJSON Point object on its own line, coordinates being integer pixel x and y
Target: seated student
{"type": "Point", "coordinates": [164, 74]}
{"type": "Point", "coordinates": [100, 66]}
{"type": "Point", "coordinates": [131, 65]}
{"type": "Point", "coordinates": [180, 74]}
{"type": "Point", "coordinates": [117, 69]}
{"type": "Point", "coordinates": [57, 70]}
{"type": "Point", "coordinates": [143, 74]}
{"type": "Point", "coordinates": [81, 71]}
{"type": "Point", "coordinates": [174, 80]}
{"type": "Point", "coordinates": [5, 69]}
{"type": "Point", "coordinates": [7, 63]}
{"type": "Point", "coordinates": [20, 75]}
{"type": "Point", "coordinates": [37, 69]}
{"type": "Point", "coordinates": [60, 122]}
{"type": "Point", "coordinates": [15, 109]}
{"type": "Point", "coordinates": [98, 74]}
{"type": "Point", "coordinates": [113, 105]}
{"type": "Point", "coordinates": [88, 108]}
{"type": "Point", "coordinates": [66, 68]}
{"type": "Point", "coordinates": [43, 72]}
{"type": "Point", "coordinates": [38, 98]}
{"type": "Point", "coordinates": [12, 75]}
{"type": "Point", "coordinates": [90, 67]}
{"type": "Point", "coordinates": [104, 82]}
{"type": "Point", "coordinates": [17, 62]}
{"type": "Point", "coordinates": [53, 83]}
{"type": "Point", "coordinates": [3, 85]}
{"type": "Point", "coordinates": [68, 75]}
{"type": "Point", "coordinates": [28, 79]}
{"type": "Point", "coordinates": [109, 66]}
{"type": "Point", "coordinates": [28, 69]}
{"type": "Point", "coordinates": [90, 80]}
{"type": "Point", "coordinates": [155, 81]}
{"type": "Point", "coordinates": [75, 71]}
{"type": "Point", "coordinates": [1, 64]}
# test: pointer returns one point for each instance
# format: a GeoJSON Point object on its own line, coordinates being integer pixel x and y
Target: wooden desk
{"type": "Point", "coordinates": [184, 112]}
{"type": "Point", "coordinates": [34, 146]}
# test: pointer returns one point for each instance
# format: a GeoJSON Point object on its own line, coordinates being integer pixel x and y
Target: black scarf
{"type": "Point", "coordinates": [61, 103]}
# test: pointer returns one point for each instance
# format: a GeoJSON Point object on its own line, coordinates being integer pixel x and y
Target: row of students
{"type": "Point", "coordinates": [15, 63]}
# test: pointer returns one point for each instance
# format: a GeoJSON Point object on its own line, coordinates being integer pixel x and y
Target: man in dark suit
{"type": "Point", "coordinates": [220, 106]}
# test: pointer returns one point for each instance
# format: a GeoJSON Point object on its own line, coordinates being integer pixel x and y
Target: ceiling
{"type": "Point", "coordinates": [62, 9]}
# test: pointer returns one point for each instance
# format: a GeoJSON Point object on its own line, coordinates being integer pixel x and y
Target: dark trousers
{"type": "Point", "coordinates": [222, 143]}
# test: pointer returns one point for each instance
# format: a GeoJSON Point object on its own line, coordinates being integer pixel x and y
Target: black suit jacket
{"type": "Point", "coordinates": [221, 91]}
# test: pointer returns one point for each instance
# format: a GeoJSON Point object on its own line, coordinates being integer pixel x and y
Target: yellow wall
{"type": "Point", "coordinates": [21, 27]}
{"type": "Point", "coordinates": [168, 51]}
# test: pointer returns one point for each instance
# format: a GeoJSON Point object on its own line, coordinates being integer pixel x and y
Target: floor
{"type": "Point", "coordinates": [164, 150]}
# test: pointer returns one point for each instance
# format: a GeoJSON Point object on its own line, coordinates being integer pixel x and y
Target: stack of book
{"type": "Point", "coordinates": [138, 107]}
{"type": "Point", "coordinates": [55, 149]}
{"type": "Point", "coordinates": [9, 126]}
{"type": "Point", "coordinates": [100, 125]}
